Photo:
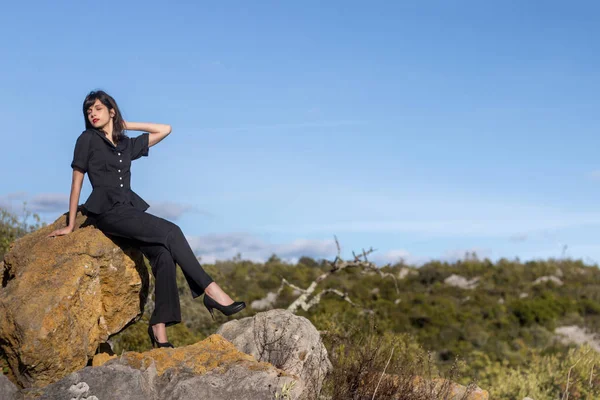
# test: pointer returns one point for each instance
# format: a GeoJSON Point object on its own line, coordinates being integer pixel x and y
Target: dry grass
{"type": "Point", "coordinates": [368, 365]}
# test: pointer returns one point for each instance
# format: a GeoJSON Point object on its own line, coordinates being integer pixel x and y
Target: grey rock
{"type": "Point", "coordinates": [238, 383]}
{"type": "Point", "coordinates": [8, 390]}
{"type": "Point", "coordinates": [115, 381]}
{"type": "Point", "coordinates": [104, 382]}
{"type": "Point", "coordinates": [550, 278]}
{"type": "Point", "coordinates": [265, 303]}
{"type": "Point", "coordinates": [461, 282]}
{"type": "Point", "coordinates": [289, 342]}
{"type": "Point", "coordinates": [574, 334]}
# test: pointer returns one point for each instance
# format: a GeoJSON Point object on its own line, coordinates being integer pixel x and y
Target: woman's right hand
{"type": "Point", "coordinates": [62, 231]}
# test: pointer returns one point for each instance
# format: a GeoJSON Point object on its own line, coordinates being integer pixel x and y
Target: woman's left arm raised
{"type": "Point", "coordinates": [157, 131]}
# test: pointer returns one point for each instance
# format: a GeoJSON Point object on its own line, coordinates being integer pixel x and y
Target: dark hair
{"type": "Point", "coordinates": [111, 104]}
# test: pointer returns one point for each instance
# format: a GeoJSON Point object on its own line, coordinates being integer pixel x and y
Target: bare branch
{"type": "Point", "coordinates": [383, 373]}
{"type": "Point", "coordinates": [384, 275]}
{"type": "Point", "coordinates": [566, 393]}
{"type": "Point", "coordinates": [360, 261]}
{"type": "Point", "coordinates": [339, 250]}
{"type": "Point", "coordinates": [284, 281]}
{"type": "Point", "coordinates": [317, 298]}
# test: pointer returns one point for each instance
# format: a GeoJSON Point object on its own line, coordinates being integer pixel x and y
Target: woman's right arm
{"type": "Point", "coordinates": [76, 184]}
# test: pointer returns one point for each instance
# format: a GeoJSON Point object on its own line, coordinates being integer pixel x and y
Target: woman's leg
{"type": "Point", "coordinates": [167, 310]}
{"type": "Point", "coordinates": [129, 222]}
{"type": "Point", "coordinates": [184, 255]}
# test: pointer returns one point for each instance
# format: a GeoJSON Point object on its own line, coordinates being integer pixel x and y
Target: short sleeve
{"type": "Point", "coordinates": [81, 152]}
{"type": "Point", "coordinates": [139, 146]}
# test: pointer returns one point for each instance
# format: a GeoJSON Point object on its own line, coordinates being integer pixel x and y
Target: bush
{"type": "Point", "coordinates": [544, 377]}
{"type": "Point", "coordinates": [391, 366]}
{"type": "Point", "coordinates": [11, 228]}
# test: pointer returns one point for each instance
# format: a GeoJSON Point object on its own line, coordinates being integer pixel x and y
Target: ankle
{"type": "Point", "coordinates": [160, 332]}
{"type": "Point", "coordinates": [211, 290]}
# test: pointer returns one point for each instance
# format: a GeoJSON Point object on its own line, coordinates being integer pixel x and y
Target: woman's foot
{"type": "Point", "coordinates": [228, 310]}
{"type": "Point", "coordinates": [158, 335]}
{"type": "Point", "coordinates": [218, 295]}
{"type": "Point", "coordinates": [215, 297]}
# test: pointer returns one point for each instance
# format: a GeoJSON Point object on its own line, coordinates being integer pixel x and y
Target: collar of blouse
{"type": "Point", "coordinates": [119, 146]}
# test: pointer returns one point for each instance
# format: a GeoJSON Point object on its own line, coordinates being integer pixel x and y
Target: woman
{"type": "Point", "coordinates": [105, 153]}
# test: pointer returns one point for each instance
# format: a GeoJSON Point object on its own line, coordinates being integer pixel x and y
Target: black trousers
{"type": "Point", "coordinates": [165, 245]}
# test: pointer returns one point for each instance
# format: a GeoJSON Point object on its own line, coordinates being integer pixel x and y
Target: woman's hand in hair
{"type": "Point", "coordinates": [62, 231]}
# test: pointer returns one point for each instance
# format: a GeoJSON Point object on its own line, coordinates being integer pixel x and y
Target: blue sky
{"type": "Point", "coordinates": [423, 129]}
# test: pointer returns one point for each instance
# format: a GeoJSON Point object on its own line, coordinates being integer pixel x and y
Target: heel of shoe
{"type": "Point", "coordinates": [151, 335]}
{"type": "Point", "coordinates": [212, 313]}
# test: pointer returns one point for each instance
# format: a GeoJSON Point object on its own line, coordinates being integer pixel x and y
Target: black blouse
{"type": "Point", "coordinates": [108, 168]}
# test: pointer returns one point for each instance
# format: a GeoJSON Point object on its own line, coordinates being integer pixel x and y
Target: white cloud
{"type": "Point", "coordinates": [7, 200]}
{"type": "Point", "coordinates": [451, 256]}
{"type": "Point", "coordinates": [43, 203]}
{"type": "Point", "coordinates": [595, 174]}
{"type": "Point", "coordinates": [223, 247]}
{"type": "Point", "coordinates": [39, 203]}
{"type": "Point", "coordinates": [519, 237]}
{"type": "Point", "coordinates": [394, 256]}
{"type": "Point", "coordinates": [49, 202]}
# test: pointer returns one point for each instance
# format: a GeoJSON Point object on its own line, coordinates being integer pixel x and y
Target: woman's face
{"type": "Point", "coordinates": [99, 115]}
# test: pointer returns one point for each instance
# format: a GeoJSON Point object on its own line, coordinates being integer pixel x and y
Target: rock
{"type": "Point", "coordinates": [61, 297]}
{"type": "Point", "coordinates": [101, 358]}
{"type": "Point", "coordinates": [210, 369]}
{"type": "Point", "coordinates": [559, 273]}
{"type": "Point", "coordinates": [405, 271]}
{"type": "Point", "coordinates": [265, 303]}
{"type": "Point", "coordinates": [550, 278]}
{"type": "Point", "coordinates": [287, 341]}
{"type": "Point", "coordinates": [460, 392]}
{"type": "Point", "coordinates": [461, 282]}
{"type": "Point", "coordinates": [8, 390]}
{"type": "Point", "coordinates": [575, 335]}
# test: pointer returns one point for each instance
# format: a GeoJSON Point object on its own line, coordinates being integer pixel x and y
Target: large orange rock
{"type": "Point", "coordinates": [61, 297]}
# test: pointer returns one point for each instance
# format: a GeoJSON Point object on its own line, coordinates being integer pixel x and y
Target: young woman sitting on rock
{"type": "Point", "coordinates": [104, 152]}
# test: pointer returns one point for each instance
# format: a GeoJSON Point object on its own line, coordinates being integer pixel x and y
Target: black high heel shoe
{"type": "Point", "coordinates": [154, 341]}
{"type": "Point", "coordinates": [231, 309]}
